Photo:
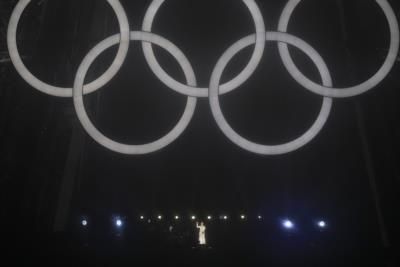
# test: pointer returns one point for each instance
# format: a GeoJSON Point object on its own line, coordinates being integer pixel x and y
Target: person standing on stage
{"type": "Point", "coordinates": [202, 233]}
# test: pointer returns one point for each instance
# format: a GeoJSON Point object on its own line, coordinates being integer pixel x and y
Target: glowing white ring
{"type": "Point", "coordinates": [60, 91]}
{"type": "Point", "coordinates": [254, 147]}
{"type": "Point", "coordinates": [203, 92]}
{"type": "Point", "coordinates": [133, 149]}
{"type": "Point", "coordinates": [345, 92]}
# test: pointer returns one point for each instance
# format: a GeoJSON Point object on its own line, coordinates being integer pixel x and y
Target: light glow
{"type": "Point", "coordinates": [288, 224]}
{"type": "Point", "coordinates": [118, 222]}
{"type": "Point", "coordinates": [322, 224]}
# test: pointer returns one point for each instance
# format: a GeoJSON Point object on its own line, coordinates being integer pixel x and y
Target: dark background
{"type": "Point", "coordinates": [349, 175]}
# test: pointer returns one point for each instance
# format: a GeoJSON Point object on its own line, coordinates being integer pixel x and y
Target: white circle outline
{"type": "Point", "coordinates": [251, 146]}
{"type": "Point", "coordinates": [107, 142]}
{"type": "Point", "coordinates": [60, 91]}
{"type": "Point", "coordinates": [203, 92]}
{"type": "Point", "coordinates": [343, 92]}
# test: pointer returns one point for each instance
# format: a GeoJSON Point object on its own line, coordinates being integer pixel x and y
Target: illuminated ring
{"type": "Point", "coordinates": [345, 92]}
{"type": "Point", "coordinates": [60, 91]}
{"type": "Point", "coordinates": [133, 149]}
{"type": "Point", "coordinates": [258, 148]}
{"type": "Point", "coordinates": [203, 92]}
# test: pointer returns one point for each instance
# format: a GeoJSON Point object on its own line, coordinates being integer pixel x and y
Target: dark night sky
{"type": "Point", "coordinates": [203, 171]}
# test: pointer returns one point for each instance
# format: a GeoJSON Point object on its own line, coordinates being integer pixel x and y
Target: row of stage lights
{"type": "Point", "coordinates": [287, 224]}
{"type": "Point", "coordinates": [194, 218]}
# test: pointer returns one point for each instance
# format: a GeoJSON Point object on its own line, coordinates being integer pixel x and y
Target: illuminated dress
{"type": "Point", "coordinates": [202, 233]}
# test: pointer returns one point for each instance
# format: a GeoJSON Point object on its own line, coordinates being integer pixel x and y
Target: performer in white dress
{"type": "Point", "coordinates": [202, 233]}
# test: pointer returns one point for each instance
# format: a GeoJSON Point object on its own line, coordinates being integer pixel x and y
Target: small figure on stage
{"type": "Point", "coordinates": [202, 233]}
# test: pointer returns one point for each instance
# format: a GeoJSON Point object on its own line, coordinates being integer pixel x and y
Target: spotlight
{"type": "Point", "coordinates": [288, 224]}
{"type": "Point", "coordinates": [322, 224]}
{"type": "Point", "coordinates": [118, 222]}
{"type": "Point", "coordinates": [209, 217]}
{"type": "Point", "coordinates": [225, 217]}
{"type": "Point", "coordinates": [259, 217]}
{"type": "Point", "coordinates": [84, 222]}
{"type": "Point", "coordinates": [142, 217]}
{"type": "Point", "coordinates": [159, 217]}
{"type": "Point", "coordinates": [243, 217]}
{"type": "Point", "coordinates": [193, 218]}
{"type": "Point", "coordinates": [176, 217]}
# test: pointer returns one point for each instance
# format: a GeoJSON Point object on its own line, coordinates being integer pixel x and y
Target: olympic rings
{"type": "Point", "coordinates": [345, 92]}
{"type": "Point", "coordinates": [59, 91]}
{"type": "Point", "coordinates": [215, 90]}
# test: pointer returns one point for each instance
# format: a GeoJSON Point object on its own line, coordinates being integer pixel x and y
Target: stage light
{"type": "Point", "coordinates": [288, 224]}
{"type": "Point", "coordinates": [209, 217]}
{"type": "Point", "coordinates": [193, 218]}
{"type": "Point", "coordinates": [259, 217]}
{"type": "Point", "coordinates": [243, 217]}
{"type": "Point", "coordinates": [225, 217]}
{"type": "Point", "coordinates": [118, 222]}
{"type": "Point", "coordinates": [142, 217]}
{"type": "Point", "coordinates": [176, 217]}
{"type": "Point", "coordinates": [159, 217]}
{"type": "Point", "coordinates": [84, 222]}
{"type": "Point", "coordinates": [322, 224]}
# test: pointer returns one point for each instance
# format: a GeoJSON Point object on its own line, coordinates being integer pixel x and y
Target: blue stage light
{"type": "Point", "coordinates": [288, 224]}
{"type": "Point", "coordinates": [322, 224]}
{"type": "Point", "coordinates": [118, 222]}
